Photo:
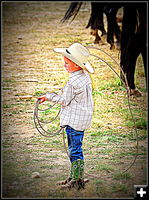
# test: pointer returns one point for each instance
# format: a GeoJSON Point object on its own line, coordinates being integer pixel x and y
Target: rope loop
{"type": "Point", "coordinates": [38, 123]}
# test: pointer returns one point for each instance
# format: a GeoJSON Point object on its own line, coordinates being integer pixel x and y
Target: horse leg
{"type": "Point", "coordinates": [144, 56]}
{"type": "Point", "coordinates": [117, 32]}
{"type": "Point", "coordinates": [108, 10]}
{"type": "Point", "coordinates": [138, 47]}
{"type": "Point", "coordinates": [113, 28]}
{"type": "Point", "coordinates": [103, 33]}
{"type": "Point", "coordinates": [94, 32]}
{"type": "Point", "coordinates": [116, 27]}
{"type": "Point", "coordinates": [101, 27]}
{"type": "Point", "coordinates": [110, 30]}
{"type": "Point", "coordinates": [129, 65]}
{"type": "Point", "coordinates": [129, 73]}
{"type": "Point", "coordinates": [96, 21]}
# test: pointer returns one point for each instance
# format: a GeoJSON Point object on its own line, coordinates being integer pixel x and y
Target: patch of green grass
{"type": "Point", "coordinates": [6, 88]}
{"type": "Point", "coordinates": [113, 84]}
{"type": "Point", "coordinates": [143, 89]}
{"type": "Point", "coordinates": [128, 153]}
{"type": "Point", "coordinates": [114, 139]}
{"type": "Point", "coordinates": [119, 187]}
{"type": "Point", "coordinates": [17, 111]}
{"type": "Point", "coordinates": [9, 81]}
{"type": "Point", "coordinates": [99, 182]}
{"type": "Point", "coordinates": [105, 151]}
{"type": "Point", "coordinates": [97, 133]}
{"type": "Point", "coordinates": [7, 105]}
{"type": "Point", "coordinates": [139, 123]}
{"type": "Point", "coordinates": [38, 93]}
{"type": "Point", "coordinates": [104, 167]}
{"type": "Point", "coordinates": [119, 176]}
{"type": "Point", "coordinates": [95, 92]}
{"type": "Point", "coordinates": [142, 137]}
{"type": "Point", "coordinates": [47, 166]}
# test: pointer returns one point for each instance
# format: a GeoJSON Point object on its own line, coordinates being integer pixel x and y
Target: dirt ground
{"type": "Point", "coordinates": [30, 30]}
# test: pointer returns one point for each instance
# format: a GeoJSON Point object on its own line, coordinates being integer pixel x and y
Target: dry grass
{"type": "Point", "coordinates": [30, 31]}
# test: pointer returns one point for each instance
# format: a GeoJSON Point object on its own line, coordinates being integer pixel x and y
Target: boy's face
{"type": "Point", "coordinates": [71, 66]}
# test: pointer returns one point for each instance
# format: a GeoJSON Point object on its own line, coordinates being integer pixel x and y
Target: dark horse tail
{"type": "Point", "coordinates": [72, 11]}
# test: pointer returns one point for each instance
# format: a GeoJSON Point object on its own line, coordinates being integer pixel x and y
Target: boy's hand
{"type": "Point", "coordinates": [42, 99]}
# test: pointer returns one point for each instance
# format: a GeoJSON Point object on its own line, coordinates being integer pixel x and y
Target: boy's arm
{"type": "Point", "coordinates": [65, 98]}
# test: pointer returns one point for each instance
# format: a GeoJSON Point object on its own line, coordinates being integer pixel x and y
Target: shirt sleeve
{"type": "Point", "coordinates": [65, 98]}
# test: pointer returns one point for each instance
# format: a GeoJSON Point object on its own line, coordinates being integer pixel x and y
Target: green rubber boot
{"type": "Point", "coordinates": [76, 175]}
{"type": "Point", "coordinates": [77, 169]}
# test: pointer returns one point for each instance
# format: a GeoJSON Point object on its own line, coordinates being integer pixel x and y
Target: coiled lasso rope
{"type": "Point", "coordinates": [38, 123]}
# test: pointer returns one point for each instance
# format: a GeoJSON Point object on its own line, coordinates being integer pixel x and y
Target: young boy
{"type": "Point", "coordinates": [77, 107]}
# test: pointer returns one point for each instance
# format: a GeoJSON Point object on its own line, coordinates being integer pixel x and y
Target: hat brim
{"type": "Point", "coordinates": [87, 66]}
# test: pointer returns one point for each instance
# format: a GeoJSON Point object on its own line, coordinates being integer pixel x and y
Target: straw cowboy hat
{"type": "Point", "coordinates": [78, 54]}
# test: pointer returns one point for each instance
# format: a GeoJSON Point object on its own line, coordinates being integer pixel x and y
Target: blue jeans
{"type": "Point", "coordinates": [75, 139]}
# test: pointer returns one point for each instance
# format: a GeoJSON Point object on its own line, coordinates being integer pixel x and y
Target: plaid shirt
{"type": "Point", "coordinates": [76, 101]}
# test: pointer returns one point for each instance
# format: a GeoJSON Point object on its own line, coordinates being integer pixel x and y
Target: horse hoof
{"type": "Point", "coordinates": [101, 42]}
{"type": "Point", "coordinates": [96, 41]}
{"type": "Point", "coordinates": [135, 92]}
{"type": "Point", "coordinates": [104, 37]}
{"type": "Point", "coordinates": [112, 47]}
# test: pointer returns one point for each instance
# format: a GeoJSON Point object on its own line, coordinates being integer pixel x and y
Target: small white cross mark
{"type": "Point", "coordinates": [141, 192]}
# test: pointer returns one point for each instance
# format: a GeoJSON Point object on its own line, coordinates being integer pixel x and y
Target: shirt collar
{"type": "Point", "coordinates": [76, 73]}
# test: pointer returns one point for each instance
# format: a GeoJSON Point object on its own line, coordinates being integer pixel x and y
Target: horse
{"type": "Point", "coordinates": [132, 37]}
{"type": "Point", "coordinates": [133, 42]}
{"type": "Point", "coordinates": [96, 20]}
